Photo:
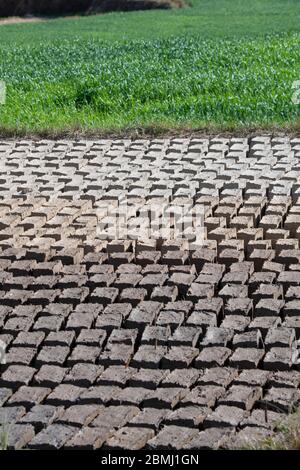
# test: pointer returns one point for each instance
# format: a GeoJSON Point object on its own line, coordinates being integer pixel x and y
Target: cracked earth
{"type": "Point", "coordinates": [150, 343]}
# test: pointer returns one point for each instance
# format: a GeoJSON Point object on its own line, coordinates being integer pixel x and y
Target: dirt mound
{"type": "Point", "coordinates": [59, 7]}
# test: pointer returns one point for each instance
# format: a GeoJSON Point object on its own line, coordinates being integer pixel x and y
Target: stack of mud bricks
{"type": "Point", "coordinates": [155, 342]}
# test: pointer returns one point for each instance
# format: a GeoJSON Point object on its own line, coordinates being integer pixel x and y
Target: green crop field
{"type": "Point", "coordinates": [218, 64]}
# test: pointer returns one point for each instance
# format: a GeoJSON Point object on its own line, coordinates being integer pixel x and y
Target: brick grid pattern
{"type": "Point", "coordinates": [122, 345]}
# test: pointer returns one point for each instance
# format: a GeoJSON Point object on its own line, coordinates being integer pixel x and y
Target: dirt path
{"type": "Point", "coordinates": [18, 19]}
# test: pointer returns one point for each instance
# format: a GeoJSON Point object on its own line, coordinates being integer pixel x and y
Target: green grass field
{"type": "Point", "coordinates": [218, 64]}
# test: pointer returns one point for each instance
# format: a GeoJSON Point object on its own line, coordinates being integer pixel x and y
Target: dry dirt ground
{"type": "Point", "coordinates": [185, 338]}
{"type": "Point", "coordinates": [18, 19]}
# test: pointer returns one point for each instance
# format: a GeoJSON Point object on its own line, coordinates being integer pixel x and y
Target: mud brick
{"type": "Point", "coordinates": [267, 291]}
{"type": "Point", "coordinates": [220, 234]}
{"type": "Point", "coordinates": [72, 280]}
{"type": "Point", "coordinates": [122, 308]}
{"type": "Point", "coordinates": [16, 297]}
{"type": "Point", "coordinates": [234, 277]}
{"type": "Point", "coordinates": [225, 416]}
{"type": "Point", "coordinates": [44, 297]}
{"type": "Point", "coordinates": [49, 376]}
{"type": "Point", "coordinates": [19, 435]}
{"type": "Point", "coordinates": [287, 257]}
{"type": "Point", "coordinates": [52, 355]}
{"type": "Point", "coordinates": [29, 339]}
{"type": "Point", "coordinates": [44, 283]}
{"type": "Point", "coordinates": [230, 256]}
{"type": "Point", "coordinates": [268, 307]}
{"type": "Point", "coordinates": [172, 437]}
{"type": "Point", "coordinates": [293, 292]}
{"type": "Point", "coordinates": [263, 324]}
{"type": "Point", "coordinates": [280, 338]}
{"type": "Point", "coordinates": [281, 399]}
{"type": "Point", "coordinates": [271, 266]}
{"type": "Point", "coordinates": [94, 259]}
{"type": "Point", "coordinates": [188, 416]}
{"type": "Point", "coordinates": [144, 258]}
{"type": "Point", "coordinates": [53, 437]}
{"type": "Point", "coordinates": [129, 438]}
{"type": "Point", "coordinates": [246, 358]}
{"type": "Point", "coordinates": [148, 418]}
{"type": "Point", "coordinates": [19, 282]}
{"type": "Point", "coordinates": [64, 395]}
{"type": "Point", "coordinates": [179, 357]}
{"type": "Point", "coordinates": [48, 324]}
{"type": "Point", "coordinates": [185, 336]}
{"type": "Point", "coordinates": [211, 438]}
{"type": "Point", "coordinates": [83, 374]}
{"type": "Point", "coordinates": [15, 376]}
{"type": "Point", "coordinates": [40, 416]}
{"type": "Point", "coordinates": [146, 378]}
{"type": "Point", "coordinates": [148, 357]}
{"type": "Point", "coordinates": [241, 397]}
{"type": "Point", "coordinates": [249, 235]}
{"type": "Point", "coordinates": [198, 291]}
{"type": "Point", "coordinates": [280, 358]}
{"type": "Point", "coordinates": [212, 268]}
{"type": "Point", "coordinates": [233, 291]}
{"type": "Point", "coordinates": [217, 337]}
{"type": "Point", "coordinates": [84, 354]}
{"type": "Point", "coordinates": [238, 306]}
{"type": "Point", "coordinates": [180, 378]}
{"type": "Point", "coordinates": [115, 416]}
{"type": "Point", "coordinates": [237, 323]}
{"type": "Point", "coordinates": [155, 335]}
{"type": "Point", "coordinates": [22, 268]}
{"type": "Point", "coordinates": [292, 308]}
{"type": "Point", "coordinates": [212, 279]}
{"type": "Point", "coordinates": [101, 280]}
{"type": "Point", "coordinates": [109, 321]}
{"type": "Point", "coordinates": [155, 269]}
{"type": "Point", "coordinates": [252, 377]}
{"type": "Point", "coordinates": [262, 419]}
{"type": "Point", "coordinates": [11, 414]}
{"type": "Point", "coordinates": [126, 336]}
{"type": "Point", "coordinates": [212, 357]}
{"type": "Point", "coordinates": [30, 311]}
{"type": "Point", "coordinates": [92, 337]}
{"type": "Point", "coordinates": [127, 281]}
{"type": "Point", "coordinates": [129, 269]}
{"type": "Point", "coordinates": [79, 415]}
{"type": "Point", "coordinates": [164, 294]}
{"type": "Point", "coordinates": [28, 396]}
{"type": "Point", "coordinates": [60, 338]}
{"type": "Point", "coordinates": [5, 393]}
{"type": "Point", "coordinates": [117, 354]}
{"type": "Point", "coordinates": [131, 396]}
{"type": "Point", "coordinates": [98, 394]}
{"type": "Point", "coordinates": [69, 256]}
{"type": "Point", "coordinates": [20, 356]}
{"type": "Point", "coordinates": [288, 379]}
{"type": "Point", "coordinates": [294, 323]}
{"type": "Point", "coordinates": [259, 257]}
{"type": "Point", "coordinates": [133, 295]}
{"type": "Point", "coordinates": [74, 295]}
{"type": "Point", "coordinates": [219, 376]}
{"type": "Point", "coordinates": [182, 281]}
{"type": "Point", "coordinates": [104, 295]}
{"type": "Point", "coordinates": [78, 321]}
{"type": "Point", "coordinates": [248, 339]}
{"type": "Point", "coordinates": [165, 397]}
{"type": "Point", "coordinates": [88, 439]}
{"type": "Point", "coordinates": [103, 269]}
{"type": "Point", "coordinates": [116, 259]}
{"type": "Point", "coordinates": [47, 268]}
{"type": "Point", "coordinates": [201, 257]}
{"type": "Point", "coordinates": [202, 319]}
{"type": "Point", "coordinates": [261, 278]}
{"type": "Point", "coordinates": [203, 396]}
{"type": "Point", "coordinates": [173, 319]}
{"type": "Point", "coordinates": [175, 258]}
